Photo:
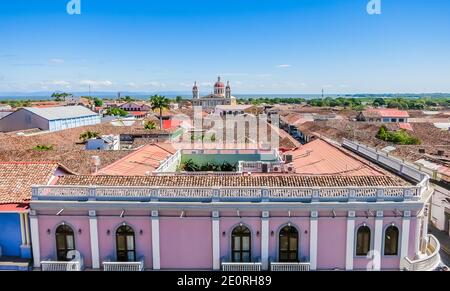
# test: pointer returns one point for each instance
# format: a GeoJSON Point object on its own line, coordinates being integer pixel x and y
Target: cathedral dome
{"type": "Point", "coordinates": [219, 84]}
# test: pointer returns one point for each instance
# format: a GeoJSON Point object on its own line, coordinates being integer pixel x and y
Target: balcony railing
{"type": "Point", "coordinates": [208, 194]}
{"type": "Point", "coordinates": [429, 262]}
{"type": "Point", "coordinates": [124, 266]}
{"type": "Point", "coordinates": [60, 266]}
{"type": "Point", "coordinates": [241, 267]}
{"type": "Point", "coordinates": [290, 267]}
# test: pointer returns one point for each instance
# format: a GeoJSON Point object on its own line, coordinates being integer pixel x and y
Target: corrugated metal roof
{"type": "Point", "coordinates": [62, 112]}
{"type": "Point", "coordinates": [4, 113]}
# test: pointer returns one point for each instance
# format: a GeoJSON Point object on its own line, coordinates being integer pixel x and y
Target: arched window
{"type": "Point", "coordinates": [363, 241]}
{"type": "Point", "coordinates": [125, 244]}
{"type": "Point", "coordinates": [65, 242]}
{"type": "Point", "coordinates": [391, 241]}
{"type": "Point", "coordinates": [288, 244]}
{"type": "Point", "coordinates": [241, 244]}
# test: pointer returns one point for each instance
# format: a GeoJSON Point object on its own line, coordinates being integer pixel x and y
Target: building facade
{"type": "Point", "coordinates": [16, 179]}
{"type": "Point", "coordinates": [221, 96]}
{"type": "Point", "coordinates": [236, 221]}
{"type": "Point", "coordinates": [384, 115]}
{"type": "Point", "coordinates": [50, 119]}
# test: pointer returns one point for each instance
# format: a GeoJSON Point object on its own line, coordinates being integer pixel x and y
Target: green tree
{"type": "Point", "coordinates": [150, 125]}
{"type": "Point", "coordinates": [179, 99]}
{"type": "Point", "coordinates": [378, 102]}
{"type": "Point", "coordinates": [42, 147]}
{"type": "Point", "coordinates": [88, 135]}
{"type": "Point", "coordinates": [114, 111]}
{"type": "Point", "coordinates": [127, 99]}
{"type": "Point", "coordinates": [160, 103]}
{"type": "Point", "coordinates": [60, 96]}
{"type": "Point", "coordinates": [98, 102]}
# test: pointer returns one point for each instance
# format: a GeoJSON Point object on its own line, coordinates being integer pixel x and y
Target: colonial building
{"type": "Point", "coordinates": [385, 115]}
{"type": "Point", "coordinates": [345, 210]}
{"type": "Point", "coordinates": [221, 96]}
{"type": "Point", "coordinates": [16, 179]}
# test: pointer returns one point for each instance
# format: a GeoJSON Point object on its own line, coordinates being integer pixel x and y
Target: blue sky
{"type": "Point", "coordinates": [261, 46]}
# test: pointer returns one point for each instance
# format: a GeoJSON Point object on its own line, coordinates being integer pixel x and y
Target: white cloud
{"type": "Point", "coordinates": [57, 61]}
{"type": "Point", "coordinates": [206, 84]}
{"type": "Point", "coordinates": [55, 83]}
{"type": "Point", "coordinates": [105, 83]}
{"type": "Point", "coordinates": [283, 66]}
{"type": "Point", "coordinates": [156, 84]}
{"type": "Point", "coordinates": [132, 84]}
{"type": "Point", "coordinates": [187, 85]}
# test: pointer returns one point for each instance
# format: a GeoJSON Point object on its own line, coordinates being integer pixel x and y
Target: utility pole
{"type": "Point", "coordinates": [322, 93]}
{"type": "Point", "coordinates": [89, 90]}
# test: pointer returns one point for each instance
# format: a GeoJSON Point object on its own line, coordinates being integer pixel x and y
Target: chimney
{"type": "Point", "coordinates": [95, 163]}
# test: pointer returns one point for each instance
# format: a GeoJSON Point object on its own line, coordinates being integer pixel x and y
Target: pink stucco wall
{"type": "Point", "coordinates": [143, 242]}
{"type": "Point", "coordinates": [47, 241]}
{"type": "Point", "coordinates": [331, 243]}
{"type": "Point", "coordinates": [185, 243]}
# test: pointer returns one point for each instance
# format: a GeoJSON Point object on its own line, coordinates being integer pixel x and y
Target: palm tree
{"type": "Point", "coordinates": [161, 103]}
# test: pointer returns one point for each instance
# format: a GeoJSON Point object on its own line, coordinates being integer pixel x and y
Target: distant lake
{"type": "Point", "coordinates": [173, 96]}
{"type": "Point", "coordinates": [239, 96]}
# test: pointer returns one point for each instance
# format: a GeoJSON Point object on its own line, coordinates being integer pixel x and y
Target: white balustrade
{"type": "Point", "coordinates": [240, 193]}
{"type": "Point", "coordinates": [334, 193]}
{"type": "Point", "coordinates": [186, 193]}
{"type": "Point", "coordinates": [125, 192]}
{"type": "Point", "coordinates": [60, 266]}
{"type": "Point", "coordinates": [124, 266]}
{"type": "Point", "coordinates": [291, 193]}
{"type": "Point", "coordinates": [290, 267]}
{"type": "Point", "coordinates": [407, 169]}
{"type": "Point", "coordinates": [430, 260]}
{"type": "Point", "coordinates": [241, 267]}
{"type": "Point", "coordinates": [226, 193]}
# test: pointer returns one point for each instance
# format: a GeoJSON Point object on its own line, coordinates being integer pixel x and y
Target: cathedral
{"type": "Point", "coordinates": [221, 96]}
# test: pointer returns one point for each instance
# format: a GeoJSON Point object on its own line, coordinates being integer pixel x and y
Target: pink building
{"type": "Point", "coordinates": [363, 218]}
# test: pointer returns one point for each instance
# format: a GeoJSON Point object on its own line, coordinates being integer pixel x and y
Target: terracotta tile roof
{"type": "Point", "coordinates": [232, 181]}
{"type": "Point", "coordinates": [141, 161]}
{"type": "Point", "coordinates": [16, 179]}
{"type": "Point", "coordinates": [321, 158]}
{"type": "Point", "coordinates": [406, 126]}
{"type": "Point", "coordinates": [386, 112]}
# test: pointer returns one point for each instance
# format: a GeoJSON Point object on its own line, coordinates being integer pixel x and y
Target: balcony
{"type": "Point", "coordinates": [241, 267]}
{"type": "Point", "coordinates": [430, 259]}
{"type": "Point", "coordinates": [124, 266]}
{"type": "Point", "coordinates": [61, 266]}
{"type": "Point", "coordinates": [289, 267]}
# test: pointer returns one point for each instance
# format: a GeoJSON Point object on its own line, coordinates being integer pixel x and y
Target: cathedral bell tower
{"type": "Point", "coordinates": [195, 92]}
{"type": "Point", "coordinates": [228, 90]}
